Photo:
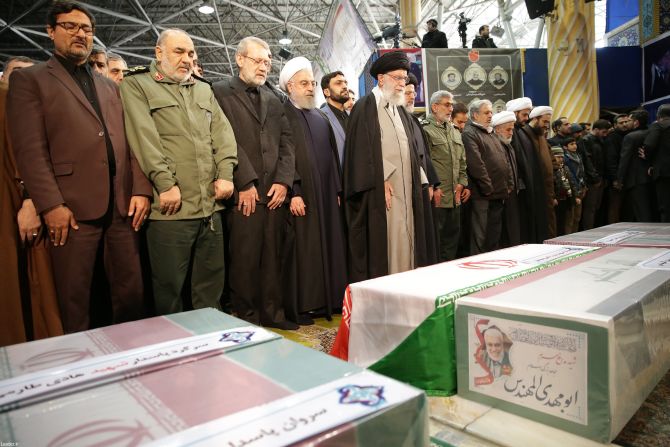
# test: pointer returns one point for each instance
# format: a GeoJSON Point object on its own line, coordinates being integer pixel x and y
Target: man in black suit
{"type": "Point", "coordinates": [483, 40]}
{"type": "Point", "coordinates": [633, 174]}
{"type": "Point", "coordinates": [434, 38]}
{"type": "Point", "coordinates": [266, 168]}
{"type": "Point", "coordinates": [657, 150]}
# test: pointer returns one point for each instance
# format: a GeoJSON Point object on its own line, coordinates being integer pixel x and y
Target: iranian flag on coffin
{"type": "Point", "coordinates": [239, 383]}
{"type": "Point", "coordinates": [578, 346]}
{"type": "Point", "coordinates": [402, 325]}
{"type": "Point", "coordinates": [622, 234]}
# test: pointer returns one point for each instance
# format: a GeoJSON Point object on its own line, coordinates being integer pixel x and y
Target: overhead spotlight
{"type": "Point", "coordinates": [285, 54]}
{"type": "Point", "coordinates": [284, 39]}
{"type": "Point", "coordinates": [206, 8]}
{"type": "Point", "coordinates": [497, 31]}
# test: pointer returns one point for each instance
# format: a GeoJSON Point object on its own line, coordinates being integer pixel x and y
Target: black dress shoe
{"type": "Point", "coordinates": [283, 325]}
{"type": "Point", "coordinates": [304, 320]}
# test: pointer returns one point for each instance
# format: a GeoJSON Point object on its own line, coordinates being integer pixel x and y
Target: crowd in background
{"type": "Point", "coordinates": [130, 193]}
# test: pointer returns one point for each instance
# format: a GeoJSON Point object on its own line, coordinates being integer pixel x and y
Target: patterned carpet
{"type": "Point", "coordinates": [319, 336]}
{"type": "Point", "coordinates": [650, 427]}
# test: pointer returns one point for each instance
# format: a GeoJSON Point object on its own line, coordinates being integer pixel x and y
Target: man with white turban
{"type": "Point", "coordinates": [503, 127]}
{"type": "Point", "coordinates": [532, 194]}
{"type": "Point", "coordinates": [265, 171]}
{"type": "Point", "coordinates": [536, 130]}
{"type": "Point", "coordinates": [314, 274]}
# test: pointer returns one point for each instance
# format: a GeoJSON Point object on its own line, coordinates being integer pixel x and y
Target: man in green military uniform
{"type": "Point", "coordinates": [448, 155]}
{"type": "Point", "coordinates": [186, 147]}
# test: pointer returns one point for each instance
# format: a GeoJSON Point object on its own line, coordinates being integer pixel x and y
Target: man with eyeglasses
{"type": "Point", "coordinates": [262, 179]}
{"type": "Point", "coordinates": [383, 179]}
{"type": "Point", "coordinates": [186, 146]}
{"type": "Point", "coordinates": [78, 169]}
{"type": "Point", "coordinates": [489, 175]}
{"type": "Point", "coordinates": [448, 155]}
{"type": "Point", "coordinates": [316, 276]}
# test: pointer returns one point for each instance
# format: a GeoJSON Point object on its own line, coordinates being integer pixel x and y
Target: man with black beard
{"type": "Point", "coordinates": [483, 40]}
{"type": "Point", "coordinates": [613, 142]}
{"type": "Point", "coordinates": [434, 38]}
{"type": "Point", "coordinates": [562, 130]}
{"type": "Point", "coordinates": [336, 90]}
{"type": "Point", "coordinates": [532, 194]}
{"type": "Point", "coordinates": [382, 179]}
{"type": "Point", "coordinates": [536, 130]}
{"type": "Point", "coordinates": [315, 277]}
{"type": "Point", "coordinates": [593, 154]}
{"type": "Point", "coordinates": [633, 174]}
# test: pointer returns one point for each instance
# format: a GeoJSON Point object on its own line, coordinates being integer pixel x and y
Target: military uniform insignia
{"type": "Point", "coordinates": [158, 76]}
{"type": "Point", "coordinates": [136, 70]}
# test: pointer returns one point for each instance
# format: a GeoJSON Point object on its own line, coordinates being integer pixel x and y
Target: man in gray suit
{"type": "Point", "coordinates": [336, 91]}
{"type": "Point", "coordinates": [265, 170]}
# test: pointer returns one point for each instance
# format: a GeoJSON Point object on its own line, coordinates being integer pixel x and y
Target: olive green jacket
{"type": "Point", "coordinates": [448, 155]}
{"type": "Point", "coordinates": [180, 136]}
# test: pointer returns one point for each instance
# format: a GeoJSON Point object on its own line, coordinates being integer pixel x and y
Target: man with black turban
{"type": "Point", "coordinates": [383, 179]}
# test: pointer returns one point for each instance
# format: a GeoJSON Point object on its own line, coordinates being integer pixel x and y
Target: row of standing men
{"type": "Point", "coordinates": [174, 152]}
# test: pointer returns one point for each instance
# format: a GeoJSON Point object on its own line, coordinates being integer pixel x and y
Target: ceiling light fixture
{"type": "Point", "coordinates": [284, 39]}
{"type": "Point", "coordinates": [206, 8]}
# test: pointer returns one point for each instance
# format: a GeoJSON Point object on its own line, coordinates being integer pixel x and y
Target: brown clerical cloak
{"type": "Point", "coordinates": [25, 274]}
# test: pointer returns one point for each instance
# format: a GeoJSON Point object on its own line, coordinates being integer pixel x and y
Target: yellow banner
{"type": "Point", "coordinates": [571, 54]}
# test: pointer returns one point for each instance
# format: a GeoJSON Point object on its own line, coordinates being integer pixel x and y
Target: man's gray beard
{"type": "Point", "coordinates": [305, 102]}
{"type": "Point", "coordinates": [393, 97]}
{"type": "Point", "coordinates": [409, 108]}
{"type": "Point", "coordinates": [505, 140]}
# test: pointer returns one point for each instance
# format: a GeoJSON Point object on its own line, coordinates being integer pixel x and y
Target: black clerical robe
{"type": "Point", "coordinates": [365, 206]}
{"type": "Point", "coordinates": [532, 198]}
{"type": "Point", "coordinates": [315, 274]}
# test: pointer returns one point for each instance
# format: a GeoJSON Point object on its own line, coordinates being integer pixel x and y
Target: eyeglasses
{"type": "Point", "coordinates": [403, 79]}
{"type": "Point", "coordinates": [305, 84]}
{"type": "Point", "coordinates": [73, 28]}
{"type": "Point", "coordinates": [267, 63]}
{"type": "Point", "coordinates": [446, 104]}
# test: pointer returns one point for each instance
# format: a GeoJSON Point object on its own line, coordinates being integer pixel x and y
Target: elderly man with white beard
{"type": "Point", "coordinates": [382, 179]}
{"type": "Point", "coordinates": [503, 126]}
{"type": "Point", "coordinates": [314, 271]}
